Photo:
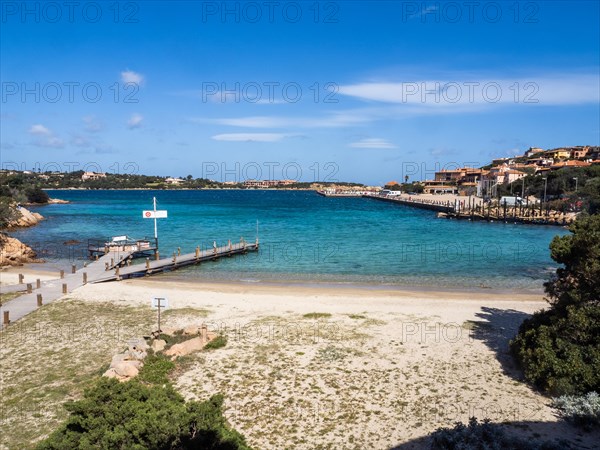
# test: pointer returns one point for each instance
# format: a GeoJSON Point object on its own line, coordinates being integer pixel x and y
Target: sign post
{"type": "Point", "coordinates": [154, 214]}
{"type": "Point", "coordinates": [157, 303]}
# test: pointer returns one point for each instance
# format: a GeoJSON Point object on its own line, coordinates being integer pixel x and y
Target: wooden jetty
{"type": "Point", "coordinates": [530, 214]}
{"type": "Point", "coordinates": [175, 262]}
{"type": "Point", "coordinates": [115, 264]}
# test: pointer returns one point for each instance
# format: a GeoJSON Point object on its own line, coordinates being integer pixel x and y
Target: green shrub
{"type": "Point", "coordinates": [317, 315]}
{"type": "Point", "coordinates": [485, 436]}
{"type": "Point", "coordinates": [582, 410]}
{"type": "Point", "coordinates": [561, 355]}
{"type": "Point", "coordinates": [156, 369]}
{"type": "Point", "coordinates": [36, 195]}
{"type": "Point", "coordinates": [132, 415]}
{"type": "Point", "coordinates": [218, 342]}
{"type": "Point", "coordinates": [559, 349]}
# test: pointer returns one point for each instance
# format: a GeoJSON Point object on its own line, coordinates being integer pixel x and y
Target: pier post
{"type": "Point", "coordinates": [62, 274]}
{"type": "Point", "coordinates": [147, 263]}
{"type": "Point", "coordinates": [197, 251]}
{"type": "Point", "coordinates": [21, 277]}
{"type": "Point", "coordinates": [157, 255]}
{"type": "Point", "coordinates": [96, 256]}
{"type": "Point", "coordinates": [117, 272]}
{"type": "Point", "coordinates": [39, 300]}
{"type": "Point", "coordinates": [112, 262]}
{"type": "Point", "coordinates": [64, 288]}
{"type": "Point", "coordinates": [6, 319]}
{"type": "Point", "coordinates": [105, 266]}
{"type": "Point", "coordinates": [73, 268]}
{"type": "Point", "coordinates": [29, 288]}
{"type": "Point", "coordinates": [38, 283]}
{"type": "Point", "coordinates": [84, 277]}
{"type": "Point", "coordinates": [178, 251]}
{"type": "Point", "coordinates": [128, 262]}
{"type": "Point", "coordinates": [174, 258]}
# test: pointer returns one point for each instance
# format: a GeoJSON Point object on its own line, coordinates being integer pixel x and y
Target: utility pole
{"type": "Point", "coordinates": [575, 178]}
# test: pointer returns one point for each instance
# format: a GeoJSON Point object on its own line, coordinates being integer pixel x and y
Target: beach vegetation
{"type": "Point", "coordinates": [486, 435]}
{"type": "Point", "coordinates": [559, 348]}
{"type": "Point", "coordinates": [317, 315]}
{"type": "Point", "coordinates": [581, 410]}
{"type": "Point", "coordinates": [136, 415]}
{"type": "Point", "coordinates": [219, 342]}
{"type": "Point", "coordinates": [156, 369]}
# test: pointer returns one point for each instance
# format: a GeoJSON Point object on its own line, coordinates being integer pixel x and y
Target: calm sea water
{"type": "Point", "coordinates": [304, 237]}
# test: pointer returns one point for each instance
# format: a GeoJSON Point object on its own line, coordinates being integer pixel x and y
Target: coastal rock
{"type": "Point", "coordinates": [125, 369]}
{"type": "Point", "coordinates": [25, 219]}
{"type": "Point", "coordinates": [137, 344]}
{"type": "Point", "coordinates": [190, 346]}
{"type": "Point", "coordinates": [57, 201]}
{"type": "Point", "coordinates": [191, 330]}
{"type": "Point", "coordinates": [14, 253]}
{"type": "Point", "coordinates": [158, 345]}
{"type": "Point", "coordinates": [138, 355]}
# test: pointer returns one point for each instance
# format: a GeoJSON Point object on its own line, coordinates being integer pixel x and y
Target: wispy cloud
{"type": "Point", "coordinates": [44, 137]}
{"type": "Point", "coordinates": [559, 89]}
{"type": "Point", "coordinates": [39, 130]}
{"type": "Point", "coordinates": [129, 76]}
{"type": "Point", "coordinates": [92, 124]}
{"type": "Point", "coordinates": [372, 143]}
{"type": "Point", "coordinates": [249, 137]}
{"type": "Point", "coordinates": [330, 120]}
{"type": "Point", "coordinates": [135, 121]}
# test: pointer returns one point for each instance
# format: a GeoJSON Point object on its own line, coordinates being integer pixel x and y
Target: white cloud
{"type": "Point", "coordinates": [331, 120]}
{"type": "Point", "coordinates": [39, 130]}
{"type": "Point", "coordinates": [135, 121]}
{"type": "Point", "coordinates": [92, 124]}
{"type": "Point", "coordinates": [559, 89]}
{"type": "Point", "coordinates": [249, 137]}
{"type": "Point", "coordinates": [44, 137]}
{"type": "Point", "coordinates": [129, 76]}
{"type": "Point", "coordinates": [372, 143]}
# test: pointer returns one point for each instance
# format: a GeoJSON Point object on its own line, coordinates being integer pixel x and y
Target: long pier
{"type": "Point", "coordinates": [525, 214]}
{"type": "Point", "coordinates": [114, 265]}
{"type": "Point", "coordinates": [175, 262]}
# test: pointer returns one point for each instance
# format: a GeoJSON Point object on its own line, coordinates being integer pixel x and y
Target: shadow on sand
{"type": "Point", "coordinates": [496, 327]}
{"type": "Point", "coordinates": [562, 434]}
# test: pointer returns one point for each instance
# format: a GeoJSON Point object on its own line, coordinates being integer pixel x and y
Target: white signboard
{"type": "Point", "coordinates": [164, 302]}
{"type": "Point", "coordinates": [154, 214]}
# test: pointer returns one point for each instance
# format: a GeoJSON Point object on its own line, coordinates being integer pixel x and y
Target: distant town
{"type": "Point", "coordinates": [486, 181]}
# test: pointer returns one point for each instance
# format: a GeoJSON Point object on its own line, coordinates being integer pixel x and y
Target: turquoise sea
{"type": "Point", "coordinates": [304, 238]}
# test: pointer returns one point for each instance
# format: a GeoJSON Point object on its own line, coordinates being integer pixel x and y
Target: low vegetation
{"type": "Point", "coordinates": [559, 348]}
{"type": "Point", "coordinates": [486, 435]}
{"type": "Point", "coordinates": [137, 415]}
{"type": "Point", "coordinates": [583, 410]}
{"type": "Point", "coordinates": [144, 412]}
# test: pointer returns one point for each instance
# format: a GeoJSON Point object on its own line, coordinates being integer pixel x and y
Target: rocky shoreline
{"type": "Point", "coordinates": [12, 251]}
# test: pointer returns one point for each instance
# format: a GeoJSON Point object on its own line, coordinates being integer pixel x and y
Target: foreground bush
{"type": "Point", "coordinates": [132, 415]}
{"type": "Point", "coordinates": [485, 436]}
{"type": "Point", "coordinates": [582, 411]}
{"type": "Point", "coordinates": [559, 349]}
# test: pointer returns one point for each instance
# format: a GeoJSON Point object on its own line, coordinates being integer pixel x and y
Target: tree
{"type": "Point", "coordinates": [559, 348]}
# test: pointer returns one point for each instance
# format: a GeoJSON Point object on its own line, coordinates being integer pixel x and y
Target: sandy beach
{"type": "Point", "coordinates": [311, 367]}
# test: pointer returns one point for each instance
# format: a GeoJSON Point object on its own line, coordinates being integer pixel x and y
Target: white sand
{"type": "Point", "coordinates": [386, 368]}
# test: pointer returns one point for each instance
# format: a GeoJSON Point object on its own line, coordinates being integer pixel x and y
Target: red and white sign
{"type": "Point", "coordinates": [154, 214]}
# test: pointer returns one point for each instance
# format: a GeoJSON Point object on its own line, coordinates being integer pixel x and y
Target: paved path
{"type": "Point", "coordinates": [52, 290]}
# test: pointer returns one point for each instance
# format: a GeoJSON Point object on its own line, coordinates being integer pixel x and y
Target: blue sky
{"type": "Point", "coordinates": [350, 90]}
